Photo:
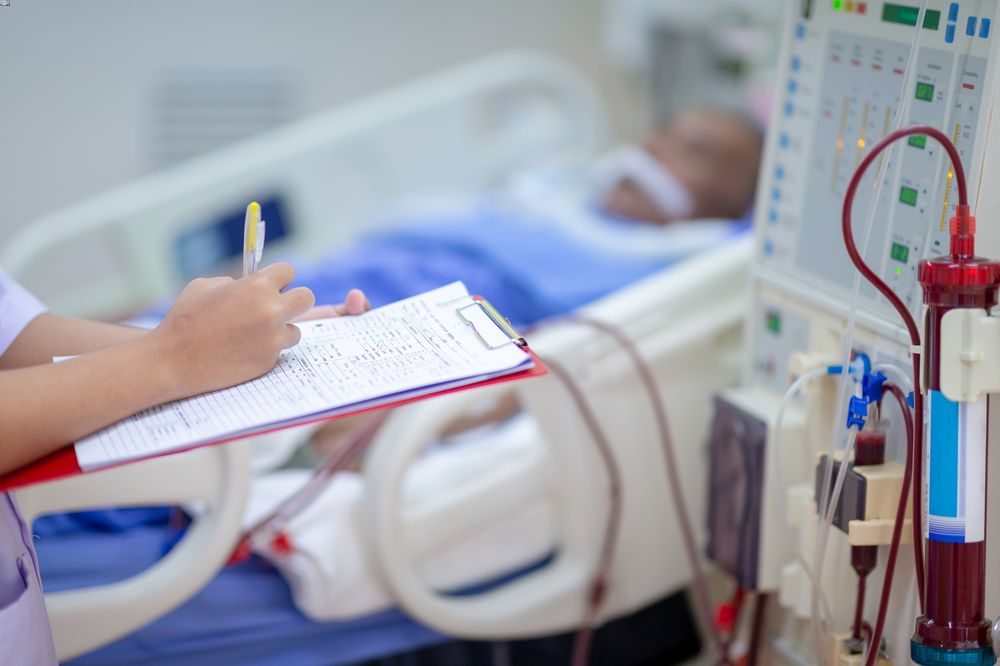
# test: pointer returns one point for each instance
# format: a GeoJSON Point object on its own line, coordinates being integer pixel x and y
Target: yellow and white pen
{"type": "Point", "coordinates": [253, 238]}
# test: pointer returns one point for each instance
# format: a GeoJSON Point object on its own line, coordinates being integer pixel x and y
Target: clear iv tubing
{"type": "Point", "coordinates": [827, 505]}
{"type": "Point", "coordinates": [900, 378]}
{"type": "Point", "coordinates": [278, 518]}
{"type": "Point", "coordinates": [779, 419]}
{"type": "Point", "coordinates": [825, 526]}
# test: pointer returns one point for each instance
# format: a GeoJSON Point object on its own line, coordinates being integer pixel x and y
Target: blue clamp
{"type": "Point", "coordinates": [857, 412]}
{"type": "Point", "coordinates": [872, 385]}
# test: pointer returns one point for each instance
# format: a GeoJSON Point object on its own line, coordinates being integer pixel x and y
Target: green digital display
{"type": "Point", "coordinates": [907, 15]}
{"type": "Point", "coordinates": [773, 322]}
{"type": "Point", "coordinates": [918, 141]}
{"type": "Point", "coordinates": [908, 195]}
{"type": "Point", "coordinates": [925, 91]}
{"type": "Point", "coordinates": [900, 253]}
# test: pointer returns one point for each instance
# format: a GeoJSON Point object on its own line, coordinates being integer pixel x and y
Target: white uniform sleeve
{"type": "Point", "coordinates": [17, 309]}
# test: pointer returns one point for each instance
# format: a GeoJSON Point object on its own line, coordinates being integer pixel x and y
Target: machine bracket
{"type": "Point", "coordinates": [970, 354]}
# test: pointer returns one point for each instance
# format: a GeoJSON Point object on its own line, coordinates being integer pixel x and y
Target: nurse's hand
{"type": "Point", "coordinates": [221, 332]}
{"type": "Point", "coordinates": [355, 303]}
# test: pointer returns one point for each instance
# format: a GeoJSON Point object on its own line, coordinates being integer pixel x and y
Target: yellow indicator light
{"type": "Point", "coordinates": [861, 143]}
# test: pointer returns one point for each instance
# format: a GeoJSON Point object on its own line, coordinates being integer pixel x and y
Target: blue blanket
{"type": "Point", "coordinates": [244, 616]}
{"type": "Point", "coordinates": [527, 268]}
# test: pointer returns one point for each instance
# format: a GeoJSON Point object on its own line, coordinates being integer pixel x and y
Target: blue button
{"type": "Point", "coordinates": [792, 86]}
{"type": "Point", "coordinates": [970, 26]}
{"type": "Point", "coordinates": [772, 217]}
{"type": "Point", "coordinates": [949, 34]}
{"type": "Point", "coordinates": [800, 31]}
{"type": "Point", "coordinates": [776, 194]}
{"type": "Point", "coordinates": [783, 141]}
{"type": "Point", "coordinates": [779, 172]}
{"type": "Point", "coordinates": [796, 63]}
{"type": "Point", "coordinates": [789, 108]}
{"type": "Point", "coordinates": [768, 248]}
{"type": "Point", "coordinates": [984, 28]}
{"type": "Point", "coordinates": [953, 12]}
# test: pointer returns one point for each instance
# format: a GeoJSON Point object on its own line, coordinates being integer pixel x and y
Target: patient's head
{"type": "Point", "coordinates": [710, 156]}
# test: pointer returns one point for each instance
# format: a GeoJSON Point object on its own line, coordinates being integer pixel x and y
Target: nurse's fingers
{"type": "Point", "coordinates": [296, 302]}
{"type": "Point", "coordinates": [291, 337]}
{"type": "Point", "coordinates": [356, 303]}
{"type": "Point", "coordinates": [280, 275]}
{"type": "Point", "coordinates": [320, 312]}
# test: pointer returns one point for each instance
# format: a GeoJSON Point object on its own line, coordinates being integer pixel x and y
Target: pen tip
{"type": "Point", "coordinates": [254, 208]}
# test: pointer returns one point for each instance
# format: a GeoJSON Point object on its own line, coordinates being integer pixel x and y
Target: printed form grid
{"type": "Point", "coordinates": [406, 346]}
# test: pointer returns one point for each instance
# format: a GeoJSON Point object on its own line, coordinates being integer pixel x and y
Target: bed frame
{"type": "Point", "coordinates": [688, 323]}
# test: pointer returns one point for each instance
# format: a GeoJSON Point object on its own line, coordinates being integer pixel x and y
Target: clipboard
{"type": "Point", "coordinates": [63, 463]}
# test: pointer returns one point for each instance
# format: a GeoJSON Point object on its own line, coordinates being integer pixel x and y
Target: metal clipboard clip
{"type": "Point", "coordinates": [491, 326]}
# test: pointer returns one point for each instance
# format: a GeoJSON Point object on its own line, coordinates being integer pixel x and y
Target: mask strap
{"type": "Point", "coordinates": [656, 182]}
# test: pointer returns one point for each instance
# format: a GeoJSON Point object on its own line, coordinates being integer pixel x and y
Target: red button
{"type": "Point", "coordinates": [862, 7]}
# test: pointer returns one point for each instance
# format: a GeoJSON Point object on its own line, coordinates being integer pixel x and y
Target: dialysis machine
{"type": "Point", "coordinates": [845, 73]}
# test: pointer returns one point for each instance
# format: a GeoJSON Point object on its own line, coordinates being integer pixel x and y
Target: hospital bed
{"type": "Point", "coordinates": [461, 130]}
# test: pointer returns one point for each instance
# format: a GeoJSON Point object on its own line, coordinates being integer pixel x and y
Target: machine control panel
{"type": "Point", "coordinates": [841, 81]}
{"type": "Point", "coordinates": [855, 69]}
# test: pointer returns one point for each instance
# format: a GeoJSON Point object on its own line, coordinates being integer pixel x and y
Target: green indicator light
{"type": "Point", "coordinates": [900, 253]}
{"type": "Point", "coordinates": [925, 91]}
{"type": "Point", "coordinates": [907, 15]}
{"type": "Point", "coordinates": [837, 4]}
{"type": "Point", "coordinates": [908, 195]}
{"type": "Point", "coordinates": [898, 271]}
{"type": "Point", "coordinates": [773, 323]}
{"type": "Point", "coordinates": [918, 141]}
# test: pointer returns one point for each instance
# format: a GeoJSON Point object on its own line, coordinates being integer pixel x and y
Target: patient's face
{"type": "Point", "coordinates": [712, 153]}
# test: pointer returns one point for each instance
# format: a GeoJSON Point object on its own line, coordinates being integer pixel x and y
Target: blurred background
{"type": "Point", "coordinates": [96, 94]}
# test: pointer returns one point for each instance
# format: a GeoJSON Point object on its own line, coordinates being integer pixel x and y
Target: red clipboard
{"type": "Point", "coordinates": [63, 463]}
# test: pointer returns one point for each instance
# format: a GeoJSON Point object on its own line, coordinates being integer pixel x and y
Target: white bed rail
{"type": "Point", "coordinates": [456, 132]}
{"type": "Point", "coordinates": [87, 618]}
{"type": "Point", "coordinates": [687, 322]}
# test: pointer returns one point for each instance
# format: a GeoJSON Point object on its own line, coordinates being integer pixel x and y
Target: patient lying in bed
{"type": "Point", "coordinates": [545, 245]}
{"type": "Point", "coordinates": [552, 242]}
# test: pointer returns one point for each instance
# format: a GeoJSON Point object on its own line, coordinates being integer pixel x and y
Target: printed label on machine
{"type": "Point", "coordinates": [956, 470]}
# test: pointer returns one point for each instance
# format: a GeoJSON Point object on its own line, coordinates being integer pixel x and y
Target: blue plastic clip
{"type": "Point", "coordinates": [909, 399]}
{"type": "Point", "coordinates": [871, 386]}
{"type": "Point", "coordinates": [857, 412]}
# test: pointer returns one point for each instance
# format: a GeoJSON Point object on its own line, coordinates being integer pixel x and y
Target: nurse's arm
{"type": "Point", "coordinates": [47, 406]}
{"type": "Point", "coordinates": [50, 335]}
{"type": "Point", "coordinates": [219, 333]}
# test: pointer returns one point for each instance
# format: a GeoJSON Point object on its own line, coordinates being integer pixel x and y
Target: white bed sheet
{"type": "Point", "coordinates": [331, 574]}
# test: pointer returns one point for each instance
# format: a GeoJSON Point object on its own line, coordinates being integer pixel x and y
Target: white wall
{"type": "Point", "coordinates": [76, 76]}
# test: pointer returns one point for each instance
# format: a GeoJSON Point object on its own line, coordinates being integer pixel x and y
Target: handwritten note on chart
{"type": "Point", "coordinates": [411, 347]}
